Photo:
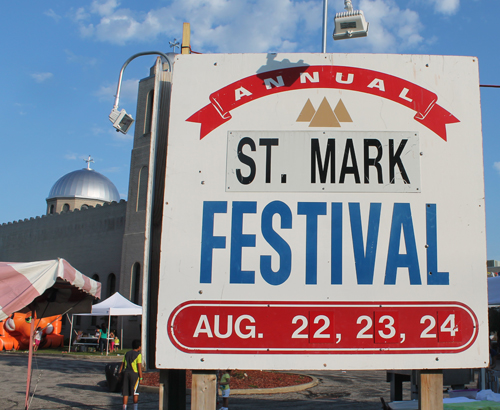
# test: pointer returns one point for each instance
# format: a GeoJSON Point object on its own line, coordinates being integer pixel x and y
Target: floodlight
{"type": "Point", "coordinates": [350, 23]}
{"type": "Point", "coordinates": [121, 120]}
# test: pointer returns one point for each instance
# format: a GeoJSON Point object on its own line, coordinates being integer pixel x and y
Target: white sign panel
{"type": "Point", "coordinates": [319, 161]}
{"type": "Point", "coordinates": [323, 212]}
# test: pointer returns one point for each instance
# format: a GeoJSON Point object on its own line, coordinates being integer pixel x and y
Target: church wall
{"type": "Point", "coordinates": [89, 239]}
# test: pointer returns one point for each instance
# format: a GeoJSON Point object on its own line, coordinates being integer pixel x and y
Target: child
{"type": "Point", "coordinates": [112, 342]}
{"type": "Point", "coordinates": [38, 338]}
{"type": "Point", "coordinates": [132, 374]}
{"type": "Point", "coordinates": [117, 342]}
{"type": "Point", "coordinates": [224, 386]}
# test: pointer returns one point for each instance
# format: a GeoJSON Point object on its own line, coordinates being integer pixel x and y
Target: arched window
{"type": "Point", "coordinates": [142, 189]}
{"type": "Point", "coordinates": [65, 208]}
{"type": "Point", "coordinates": [149, 112]}
{"type": "Point", "coordinates": [52, 207]}
{"type": "Point", "coordinates": [84, 206]}
{"type": "Point", "coordinates": [135, 286]}
{"type": "Point", "coordinates": [111, 284]}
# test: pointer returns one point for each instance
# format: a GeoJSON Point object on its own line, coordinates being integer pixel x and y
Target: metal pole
{"type": "Point", "coordinates": [146, 53]}
{"type": "Point", "coordinates": [155, 115]}
{"type": "Point", "coordinates": [325, 16]}
{"type": "Point", "coordinates": [30, 359]}
{"type": "Point", "coordinates": [70, 332]}
{"type": "Point", "coordinates": [107, 335]}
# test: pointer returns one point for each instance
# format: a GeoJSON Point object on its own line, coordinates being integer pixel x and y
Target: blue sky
{"type": "Point", "coordinates": [61, 61]}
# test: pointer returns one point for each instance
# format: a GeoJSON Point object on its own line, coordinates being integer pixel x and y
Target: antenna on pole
{"type": "Point", "coordinates": [174, 44]}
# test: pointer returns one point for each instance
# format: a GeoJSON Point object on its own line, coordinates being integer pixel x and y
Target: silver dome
{"type": "Point", "coordinates": [85, 183]}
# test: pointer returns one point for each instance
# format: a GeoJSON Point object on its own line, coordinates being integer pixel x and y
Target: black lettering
{"type": "Point", "coordinates": [246, 160]}
{"type": "Point", "coordinates": [349, 151]}
{"type": "Point", "coordinates": [268, 143]}
{"type": "Point", "coordinates": [323, 167]}
{"type": "Point", "coordinates": [395, 159]}
{"type": "Point", "coordinates": [372, 162]}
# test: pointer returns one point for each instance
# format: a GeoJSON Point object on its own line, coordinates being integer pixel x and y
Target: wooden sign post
{"type": "Point", "coordinates": [204, 390]}
{"type": "Point", "coordinates": [186, 39]}
{"type": "Point", "coordinates": [430, 392]}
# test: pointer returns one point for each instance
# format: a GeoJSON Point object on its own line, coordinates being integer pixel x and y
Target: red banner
{"type": "Point", "coordinates": [322, 327]}
{"type": "Point", "coordinates": [412, 96]}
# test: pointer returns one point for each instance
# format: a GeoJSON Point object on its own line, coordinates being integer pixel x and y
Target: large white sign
{"type": "Point", "coordinates": [323, 212]}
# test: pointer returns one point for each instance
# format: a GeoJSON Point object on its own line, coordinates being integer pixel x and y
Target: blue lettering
{"type": "Point", "coordinates": [365, 257]}
{"type": "Point", "coordinates": [402, 220]}
{"type": "Point", "coordinates": [277, 242]}
{"type": "Point", "coordinates": [433, 276]}
{"type": "Point", "coordinates": [239, 241]}
{"type": "Point", "coordinates": [336, 243]}
{"type": "Point", "coordinates": [311, 210]}
{"type": "Point", "coordinates": [280, 214]}
{"type": "Point", "coordinates": [209, 242]}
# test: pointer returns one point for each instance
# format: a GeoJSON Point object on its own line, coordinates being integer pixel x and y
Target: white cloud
{"type": "Point", "coordinates": [80, 15]}
{"type": "Point", "coordinates": [391, 29]}
{"type": "Point", "coordinates": [70, 156]}
{"type": "Point", "coordinates": [256, 25]}
{"type": "Point", "coordinates": [259, 25]}
{"type": "Point", "coordinates": [128, 91]}
{"type": "Point", "coordinates": [217, 25]}
{"type": "Point", "coordinates": [112, 170]}
{"type": "Point", "coordinates": [41, 77]}
{"type": "Point", "coordinates": [104, 8]}
{"type": "Point", "coordinates": [98, 130]}
{"type": "Point", "coordinates": [79, 59]}
{"type": "Point", "coordinates": [446, 6]}
{"type": "Point", "coordinates": [51, 13]}
{"type": "Point", "coordinates": [120, 137]}
{"type": "Point", "coordinates": [496, 165]}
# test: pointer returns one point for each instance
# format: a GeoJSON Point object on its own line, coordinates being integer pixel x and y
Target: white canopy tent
{"type": "Point", "coordinates": [115, 305]}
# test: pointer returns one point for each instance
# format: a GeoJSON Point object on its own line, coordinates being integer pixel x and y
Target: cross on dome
{"type": "Point", "coordinates": [88, 161]}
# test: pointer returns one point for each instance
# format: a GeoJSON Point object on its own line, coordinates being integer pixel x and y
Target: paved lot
{"type": "Point", "coordinates": [70, 382]}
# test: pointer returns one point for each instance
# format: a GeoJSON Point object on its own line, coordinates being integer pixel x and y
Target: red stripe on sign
{"type": "Point", "coordinates": [17, 291]}
{"type": "Point", "coordinates": [387, 86]}
{"type": "Point", "coordinates": [302, 328]}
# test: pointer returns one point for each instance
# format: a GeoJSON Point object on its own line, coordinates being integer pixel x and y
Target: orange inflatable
{"type": "Point", "coordinates": [15, 332]}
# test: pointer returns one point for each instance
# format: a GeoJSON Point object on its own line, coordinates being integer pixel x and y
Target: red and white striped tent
{"type": "Point", "coordinates": [48, 287]}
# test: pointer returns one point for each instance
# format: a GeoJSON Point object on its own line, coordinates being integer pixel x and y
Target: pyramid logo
{"type": "Point", "coordinates": [324, 116]}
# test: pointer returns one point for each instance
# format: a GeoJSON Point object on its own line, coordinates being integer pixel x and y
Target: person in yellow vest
{"type": "Point", "coordinates": [131, 372]}
{"type": "Point", "coordinates": [224, 386]}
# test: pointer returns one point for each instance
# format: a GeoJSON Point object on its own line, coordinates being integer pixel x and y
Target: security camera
{"type": "Point", "coordinates": [121, 120]}
{"type": "Point", "coordinates": [350, 23]}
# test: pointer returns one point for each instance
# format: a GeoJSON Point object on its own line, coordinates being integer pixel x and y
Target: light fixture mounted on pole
{"type": "Point", "coordinates": [120, 119]}
{"type": "Point", "coordinates": [350, 23]}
